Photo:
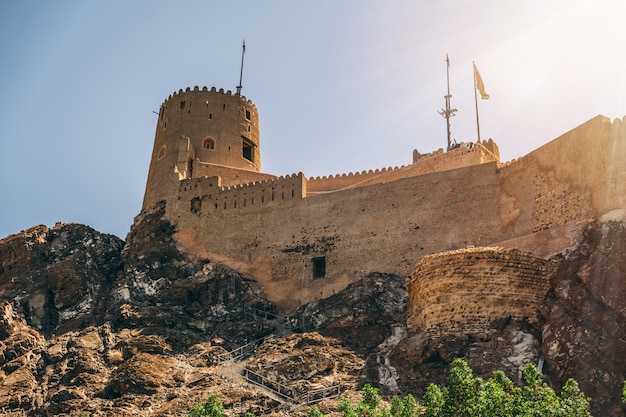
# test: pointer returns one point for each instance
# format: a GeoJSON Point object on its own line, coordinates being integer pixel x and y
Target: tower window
{"type": "Point", "coordinates": [210, 116]}
{"type": "Point", "coordinates": [182, 105]}
{"type": "Point", "coordinates": [161, 153]}
{"type": "Point", "coordinates": [319, 267]}
{"type": "Point", "coordinates": [248, 114]}
{"type": "Point", "coordinates": [248, 149]}
{"type": "Point", "coordinates": [208, 143]}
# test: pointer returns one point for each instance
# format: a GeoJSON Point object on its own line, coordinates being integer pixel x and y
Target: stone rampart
{"type": "Point", "coordinates": [464, 290]}
{"type": "Point", "coordinates": [463, 156]}
{"type": "Point", "coordinates": [379, 227]}
{"type": "Point", "coordinates": [306, 239]}
{"type": "Point", "coordinates": [204, 196]}
{"type": "Point", "coordinates": [319, 185]}
{"type": "Point", "coordinates": [576, 177]}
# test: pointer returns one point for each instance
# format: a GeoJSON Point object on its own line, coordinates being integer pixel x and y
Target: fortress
{"type": "Point", "coordinates": [307, 238]}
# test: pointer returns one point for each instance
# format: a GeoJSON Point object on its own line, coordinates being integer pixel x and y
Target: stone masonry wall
{"type": "Point", "coordinates": [465, 155]}
{"type": "Point", "coordinates": [466, 289]}
{"type": "Point", "coordinates": [579, 175]}
{"type": "Point", "coordinates": [536, 203]}
{"type": "Point", "coordinates": [381, 227]}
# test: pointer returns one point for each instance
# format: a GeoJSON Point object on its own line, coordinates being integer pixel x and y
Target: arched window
{"type": "Point", "coordinates": [161, 153]}
{"type": "Point", "coordinates": [208, 143]}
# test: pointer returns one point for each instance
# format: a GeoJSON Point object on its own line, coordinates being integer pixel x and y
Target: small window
{"type": "Point", "coordinates": [208, 143]}
{"type": "Point", "coordinates": [182, 105]}
{"type": "Point", "coordinates": [210, 116]}
{"type": "Point", "coordinates": [319, 267]}
{"type": "Point", "coordinates": [161, 153]}
{"type": "Point", "coordinates": [248, 114]}
{"type": "Point", "coordinates": [196, 205]}
{"type": "Point", "coordinates": [248, 149]}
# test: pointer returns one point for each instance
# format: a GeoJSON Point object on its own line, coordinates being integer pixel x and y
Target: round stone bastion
{"type": "Point", "coordinates": [463, 291]}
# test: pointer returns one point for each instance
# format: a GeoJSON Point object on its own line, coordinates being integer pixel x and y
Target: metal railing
{"type": "Point", "coordinates": [283, 391]}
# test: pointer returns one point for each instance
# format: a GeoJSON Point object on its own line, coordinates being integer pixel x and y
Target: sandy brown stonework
{"type": "Point", "coordinates": [465, 290]}
{"type": "Point", "coordinates": [313, 236]}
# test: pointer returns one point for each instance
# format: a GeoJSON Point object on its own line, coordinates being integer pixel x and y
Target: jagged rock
{"type": "Point", "coordinates": [363, 315]}
{"type": "Point", "coordinates": [585, 334]}
{"type": "Point", "coordinates": [59, 278]}
{"type": "Point", "coordinates": [306, 361]}
{"type": "Point", "coordinates": [88, 325]}
{"type": "Point", "coordinates": [142, 374]}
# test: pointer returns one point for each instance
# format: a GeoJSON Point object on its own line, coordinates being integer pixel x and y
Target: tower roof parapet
{"type": "Point", "coordinates": [228, 93]}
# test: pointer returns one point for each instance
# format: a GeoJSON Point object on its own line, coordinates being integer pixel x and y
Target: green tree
{"type": "Point", "coordinates": [370, 397]}
{"type": "Point", "coordinates": [469, 396]}
{"type": "Point", "coordinates": [346, 408]}
{"type": "Point", "coordinates": [433, 400]}
{"type": "Point", "coordinates": [314, 411]}
{"type": "Point", "coordinates": [573, 400]}
{"type": "Point", "coordinates": [405, 407]}
{"type": "Point", "coordinates": [537, 398]}
{"type": "Point", "coordinates": [462, 391]}
{"type": "Point", "coordinates": [498, 396]}
{"type": "Point", "coordinates": [212, 407]}
{"type": "Point", "coordinates": [369, 406]}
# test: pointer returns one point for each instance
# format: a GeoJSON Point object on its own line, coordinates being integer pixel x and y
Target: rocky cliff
{"type": "Point", "coordinates": [93, 324]}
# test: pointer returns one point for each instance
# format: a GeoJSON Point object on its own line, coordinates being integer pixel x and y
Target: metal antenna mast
{"type": "Point", "coordinates": [243, 51]}
{"type": "Point", "coordinates": [448, 112]}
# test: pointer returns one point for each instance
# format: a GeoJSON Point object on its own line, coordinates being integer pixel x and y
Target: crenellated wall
{"type": "Point", "coordinates": [197, 128]}
{"type": "Point", "coordinates": [463, 156]}
{"type": "Point", "coordinates": [379, 227]}
{"type": "Point", "coordinates": [547, 194]}
{"type": "Point", "coordinates": [207, 195]}
{"type": "Point", "coordinates": [306, 239]}
{"type": "Point", "coordinates": [463, 291]}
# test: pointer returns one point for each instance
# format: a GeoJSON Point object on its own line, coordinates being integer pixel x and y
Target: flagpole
{"type": "Point", "coordinates": [476, 101]}
{"type": "Point", "coordinates": [448, 112]}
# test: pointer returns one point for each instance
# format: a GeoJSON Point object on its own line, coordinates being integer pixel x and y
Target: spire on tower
{"type": "Point", "coordinates": [243, 51]}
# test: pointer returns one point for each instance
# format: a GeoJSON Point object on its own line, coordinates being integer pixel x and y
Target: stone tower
{"type": "Point", "coordinates": [201, 132]}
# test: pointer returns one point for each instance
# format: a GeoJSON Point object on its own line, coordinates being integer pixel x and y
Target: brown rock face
{"type": "Point", "coordinates": [88, 324]}
{"type": "Point", "coordinates": [308, 361]}
{"type": "Point", "coordinates": [585, 334]}
{"type": "Point", "coordinates": [59, 278]}
{"type": "Point", "coordinates": [20, 354]}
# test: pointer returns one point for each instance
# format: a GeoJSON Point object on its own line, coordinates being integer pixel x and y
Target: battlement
{"type": "Point", "coordinates": [466, 154]}
{"type": "Point", "coordinates": [303, 239]}
{"type": "Point", "coordinates": [208, 195]}
{"type": "Point", "coordinates": [228, 93]}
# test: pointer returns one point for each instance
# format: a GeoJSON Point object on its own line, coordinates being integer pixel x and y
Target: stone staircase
{"type": "Point", "coordinates": [233, 364]}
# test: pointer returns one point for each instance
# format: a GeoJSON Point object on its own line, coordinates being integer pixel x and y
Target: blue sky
{"type": "Point", "coordinates": [340, 86]}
